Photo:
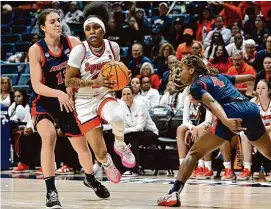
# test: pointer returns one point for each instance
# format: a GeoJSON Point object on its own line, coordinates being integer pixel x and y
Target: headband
{"type": "Point", "coordinates": [94, 20]}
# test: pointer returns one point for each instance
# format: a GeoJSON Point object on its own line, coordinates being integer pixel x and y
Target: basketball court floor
{"type": "Point", "coordinates": [24, 191]}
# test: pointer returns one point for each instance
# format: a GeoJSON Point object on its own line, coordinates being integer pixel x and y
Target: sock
{"type": "Point", "coordinates": [201, 163]}
{"type": "Point", "coordinates": [50, 183]}
{"type": "Point", "coordinates": [119, 143]}
{"type": "Point", "coordinates": [177, 187]}
{"type": "Point", "coordinates": [247, 165]}
{"type": "Point", "coordinates": [181, 160]}
{"type": "Point", "coordinates": [208, 164]}
{"type": "Point", "coordinates": [90, 177]}
{"type": "Point", "coordinates": [227, 165]}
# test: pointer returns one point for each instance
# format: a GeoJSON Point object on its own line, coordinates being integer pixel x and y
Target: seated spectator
{"type": "Point", "coordinates": [172, 97]}
{"type": "Point", "coordinates": [151, 94]}
{"type": "Point", "coordinates": [197, 49]}
{"type": "Point", "coordinates": [176, 35]}
{"type": "Point", "coordinates": [260, 30]}
{"type": "Point", "coordinates": [139, 127]}
{"type": "Point", "coordinates": [172, 63]}
{"type": "Point", "coordinates": [258, 62]}
{"type": "Point", "coordinates": [205, 23]}
{"type": "Point", "coordinates": [6, 14]}
{"type": "Point", "coordinates": [157, 41]}
{"type": "Point", "coordinates": [249, 25]}
{"type": "Point", "coordinates": [250, 51]}
{"type": "Point", "coordinates": [236, 28]}
{"type": "Point", "coordinates": [74, 15]}
{"type": "Point", "coordinates": [132, 32]}
{"type": "Point", "coordinates": [25, 141]}
{"type": "Point", "coordinates": [185, 48]}
{"type": "Point", "coordinates": [7, 95]}
{"type": "Point", "coordinates": [113, 32]}
{"type": "Point", "coordinates": [265, 73]}
{"type": "Point", "coordinates": [221, 60]}
{"type": "Point", "coordinates": [163, 22]}
{"type": "Point", "coordinates": [142, 20]}
{"type": "Point", "coordinates": [226, 33]}
{"type": "Point", "coordinates": [136, 85]}
{"type": "Point", "coordinates": [138, 59]}
{"type": "Point", "coordinates": [160, 63]}
{"type": "Point", "coordinates": [231, 13]}
{"type": "Point", "coordinates": [240, 68]}
{"type": "Point", "coordinates": [216, 39]}
{"type": "Point", "coordinates": [237, 45]}
{"type": "Point", "coordinates": [148, 71]}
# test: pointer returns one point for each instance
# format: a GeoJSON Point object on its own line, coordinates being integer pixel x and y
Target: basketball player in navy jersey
{"type": "Point", "coordinates": [93, 101]}
{"type": "Point", "coordinates": [233, 110]}
{"type": "Point", "coordinates": [51, 102]}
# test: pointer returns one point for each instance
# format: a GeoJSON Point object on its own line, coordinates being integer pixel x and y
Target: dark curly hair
{"type": "Point", "coordinates": [100, 9]}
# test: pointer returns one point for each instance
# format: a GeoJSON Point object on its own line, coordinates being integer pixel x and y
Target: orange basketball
{"type": "Point", "coordinates": [118, 72]}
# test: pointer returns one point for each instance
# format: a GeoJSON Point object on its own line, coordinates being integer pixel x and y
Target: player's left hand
{"type": "Point", "coordinates": [234, 124]}
{"type": "Point", "coordinates": [195, 134]}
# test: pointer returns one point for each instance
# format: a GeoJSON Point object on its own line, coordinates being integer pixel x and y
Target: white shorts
{"type": "Point", "coordinates": [88, 111]}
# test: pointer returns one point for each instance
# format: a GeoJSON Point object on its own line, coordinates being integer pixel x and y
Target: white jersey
{"type": "Point", "coordinates": [92, 65]}
{"type": "Point", "coordinates": [265, 114]}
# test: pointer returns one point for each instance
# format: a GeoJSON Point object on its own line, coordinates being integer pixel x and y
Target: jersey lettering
{"type": "Point", "coordinates": [217, 82]}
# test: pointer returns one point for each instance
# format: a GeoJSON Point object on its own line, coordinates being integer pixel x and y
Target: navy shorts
{"type": "Point", "coordinates": [66, 121]}
{"type": "Point", "coordinates": [251, 120]}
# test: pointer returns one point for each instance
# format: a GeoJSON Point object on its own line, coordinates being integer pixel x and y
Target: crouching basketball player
{"type": "Point", "coordinates": [93, 101]}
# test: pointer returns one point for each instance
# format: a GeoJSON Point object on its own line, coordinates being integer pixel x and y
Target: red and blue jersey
{"type": "Point", "coordinates": [220, 87]}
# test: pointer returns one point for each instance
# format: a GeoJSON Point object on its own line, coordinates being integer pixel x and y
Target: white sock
{"type": "Point", "coordinates": [119, 143]}
{"type": "Point", "coordinates": [247, 165]}
{"type": "Point", "coordinates": [201, 163]}
{"type": "Point", "coordinates": [208, 164]}
{"type": "Point", "coordinates": [181, 160]}
{"type": "Point", "coordinates": [227, 165]}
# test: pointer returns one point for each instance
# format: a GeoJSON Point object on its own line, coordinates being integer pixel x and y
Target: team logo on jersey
{"type": "Point", "coordinates": [88, 54]}
{"type": "Point", "coordinates": [47, 55]}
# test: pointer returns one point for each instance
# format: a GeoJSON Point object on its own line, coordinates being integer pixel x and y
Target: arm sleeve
{"type": "Point", "coordinates": [186, 113]}
{"type": "Point", "coordinates": [76, 56]}
{"type": "Point", "coordinates": [198, 89]}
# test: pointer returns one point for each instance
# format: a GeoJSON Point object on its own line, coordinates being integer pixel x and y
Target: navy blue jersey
{"type": "Point", "coordinates": [53, 68]}
{"type": "Point", "coordinates": [220, 87]}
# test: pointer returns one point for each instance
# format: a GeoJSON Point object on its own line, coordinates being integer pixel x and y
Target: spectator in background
{"type": "Point", "coordinates": [249, 25]}
{"type": "Point", "coordinates": [237, 45]}
{"type": "Point", "coordinates": [55, 5]}
{"type": "Point", "coordinates": [264, 7]}
{"type": "Point", "coordinates": [236, 28]}
{"type": "Point", "coordinates": [225, 32]}
{"type": "Point", "coordinates": [138, 59]}
{"type": "Point", "coordinates": [131, 32]}
{"type": "Point", "coordinates": [131, 8]}
{"type": "Point", "coordinates": [160, 63]}
{"type": "Point", "coordinates": [148, 71]}
{"type": "Point", "coordinates": [117, 14]}
{"type": "Point", "coordinates": [113, 32]}
{"type": "Point", "coordinates": [7, 96]}
{"type": "Point", "coordinates": [221, 60]}
{"type": "Point", "coordinates": [172, 63]}
{"type": "Point", "coordinates": [250, 51]}
{"type": "Point", "coordinates": [266, 72]}
{"type": "Point", "coordinates": [163, 22]}
{"type": "Point", "coordinates": [176, 36]}
{"type": "Point", "coordinates": [258, 62]}
{"type": "Point", "coordinates": [205, 23]}
{"type": "Point", "coordinates": [6, 14]}
{"type": "Point", "coordinates": [265, 36]}
{"type": "Point", "coordinates": [74, 15]}
{"type": "Point", "coordinates": [216, 39]}
{"type": "Point", "coordinates": [231, 13]}
{"type": "Point", "coordinates": [240, 68]}
{"type": "Point", "coordinates": [147, 91]}
{"type": "Point", "coordinates": [136, 85]}
{"type": "Point", "coordinates": [142, 20]}
{"type": "Point", "coordinates": [157, 41]}
{"type": "Point", "coordinates": [197, 49]}
{"type": "Point", "coordinates": [260, 30]}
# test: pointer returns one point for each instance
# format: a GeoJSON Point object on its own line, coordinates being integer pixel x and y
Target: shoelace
{"type": "Point", "coordinates": [112, 171]}
{"type": "Point", "coordinates": [53, 196]}
{"type": "Point", "coordinates": [126, 150]}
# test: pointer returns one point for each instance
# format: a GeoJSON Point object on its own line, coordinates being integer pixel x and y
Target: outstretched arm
{"type": "Point", "coordinates": [249, 79]}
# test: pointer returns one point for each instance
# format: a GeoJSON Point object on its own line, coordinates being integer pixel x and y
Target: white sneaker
{"type": "Point", "coordinates": [126, 155]}
{"type": "Point", "coordinates": [112, 173]}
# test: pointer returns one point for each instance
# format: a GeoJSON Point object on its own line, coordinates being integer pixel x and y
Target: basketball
{"type": "Point", "coordinates": [118, 72]}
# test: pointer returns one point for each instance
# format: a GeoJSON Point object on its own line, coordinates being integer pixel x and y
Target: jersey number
{"type": "Point", "coordinates": [217, 82]}
{"type": "Point", "coordinates": [60, 77]}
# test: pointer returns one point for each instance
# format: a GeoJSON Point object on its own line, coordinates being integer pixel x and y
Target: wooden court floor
{"type": "Point", "coordinates": [136, 193]}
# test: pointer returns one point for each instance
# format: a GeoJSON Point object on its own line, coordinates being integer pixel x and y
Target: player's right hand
{"type": "Point", "coordinates": [104, 81]}
{"type": "Point", "coordinates": [65, 100]}
{"type": "Point", "coordinates": [234, 124]}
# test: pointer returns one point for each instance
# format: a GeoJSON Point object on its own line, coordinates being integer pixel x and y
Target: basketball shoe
{"type": "Point", "coordinates": [228, 175]}
{"type": "Point", "coordinates": [205, 174]}
{"type": "Point", "coordinates": [99, 189]}
{"type": "Point", "coordinates": [195, 173]}
{"type": "Point", "coordinates": [21, 168]}
{"type": "Point", "coordinates": [126, 155]}
{"type": "Point", "coordinates": [170, 200]}
{"type": "Point", "coordinates": [244, 175]}
{"type": "Point", "coordinates": [111, 172]}
{"type": "Point", "coordinates": [52, 200]}
{"type": "Point", "coordinates": [268, 178]}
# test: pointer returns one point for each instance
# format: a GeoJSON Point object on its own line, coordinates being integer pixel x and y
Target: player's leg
{"type": "Point", "coordinates": [81, 147]}
{"type": "Point", "coordinates": [109, 110]}
{"type": "Point", "coordinates": [181, 145]}
{"type": "Point", "coordinates": [46, 129]}
{"type": "Point", "coordinates": [263, 144]}
{"type": "Point", "coordinates": [204, 145]}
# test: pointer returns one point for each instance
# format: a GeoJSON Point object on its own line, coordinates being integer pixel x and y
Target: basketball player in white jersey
{"type": "Point", "coordinates": [93, 102]}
